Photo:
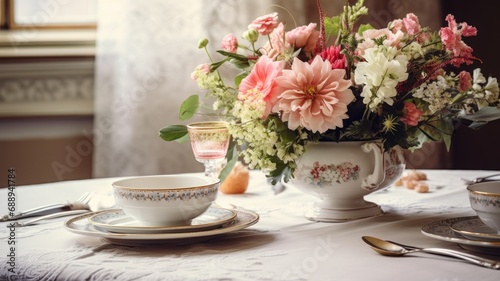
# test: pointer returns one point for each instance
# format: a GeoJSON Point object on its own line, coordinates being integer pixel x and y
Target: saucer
{"type": "Point", "coordinates": [474, 228]}
{"type": "Point", "coordinates": [81, 225]}
{"type": "Point", "coordinates": [117, 221]}
{"type": "Point", "coordinates": [441, 230]}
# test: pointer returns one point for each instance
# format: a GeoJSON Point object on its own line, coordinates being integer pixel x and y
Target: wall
{"type": "Point", "coordinates": [45, 116]}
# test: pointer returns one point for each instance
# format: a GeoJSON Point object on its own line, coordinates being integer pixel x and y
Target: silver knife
{"type": "Point", "coordinates": [46, 210]}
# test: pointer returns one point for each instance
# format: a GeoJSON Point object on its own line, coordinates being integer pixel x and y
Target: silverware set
{"type": "Point", "coordinates": [81, 205]}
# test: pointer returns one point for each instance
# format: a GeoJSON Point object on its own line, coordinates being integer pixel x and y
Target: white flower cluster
{"type": "Point", "coordinates": [436, 94]}
{"type": "Point", "coordinates": [261, 144]}
{"type": "Point", "coordinates": [383, 69]}
{"type": "Point", "coordinates": [485, 91]}
{"type": "Point", "coordinates": [291, 152]}
{"type": "Point", "coordinates": [258, 141]}
{"type": "Point", "coordinates": [203, 79]}
{"type": "Point", "coordinates": [224, 98]}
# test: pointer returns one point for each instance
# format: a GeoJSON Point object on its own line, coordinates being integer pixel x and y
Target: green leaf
{"type": "Point", "coordinates": [177, 133]}
{"type": "Point", "coordinates": [332, 25]}
{"type": "Point", "coordinates": [288, 136]}
{"type": "Point", "coordinates": [233, 55]}
{"type": "Point", "coordinates": [484, 115]}
{"type": "Point", "coordinates": [276, 124]}
{"type": "Point", "coordinates": [217, 64]}
{"type": "Point", "coordinates": [189, 107]}
{"type": "Point", "coordinates": [239, 78]}
{"type": "Point", "coordinates": [228, 167]}
{"type": "Point", "coordinates": [240, 64]}
{"type": "Point", "coordinates": [363, 27]}
{"type": "Point", "coordinates": [281, 173]}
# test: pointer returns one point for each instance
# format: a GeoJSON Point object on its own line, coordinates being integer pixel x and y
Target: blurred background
{"type": "Point", "coordinates": [86, 85]}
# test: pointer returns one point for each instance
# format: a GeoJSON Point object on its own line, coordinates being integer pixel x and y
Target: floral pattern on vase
{"type": "Point", "coordinates": [323, 175]}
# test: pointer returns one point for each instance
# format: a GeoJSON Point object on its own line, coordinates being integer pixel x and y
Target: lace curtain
{"type": "Point", "coordinates": [146, 52]}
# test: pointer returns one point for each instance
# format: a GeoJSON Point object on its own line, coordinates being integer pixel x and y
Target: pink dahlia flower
{"type": "Point", "coordinates": [260, 83]}
{"type": "Point", "coordinates": [313, 95]}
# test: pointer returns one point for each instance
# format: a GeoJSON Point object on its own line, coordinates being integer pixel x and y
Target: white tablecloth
{"type": "Point", "coordinates": [283, 245]}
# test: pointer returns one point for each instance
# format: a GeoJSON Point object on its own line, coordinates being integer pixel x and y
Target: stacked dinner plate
{"type": "Point", "coordinates": [118, 228]}
{"type": "Point", "coordinates": [469, 232]}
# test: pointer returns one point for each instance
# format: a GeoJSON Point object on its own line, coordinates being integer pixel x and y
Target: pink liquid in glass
{"type": "Point", "coordinates": [211, 155]}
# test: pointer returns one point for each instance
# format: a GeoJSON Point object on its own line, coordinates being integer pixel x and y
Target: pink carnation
{"type": "Point", "coordinates": [305, 37]}
{"type": "Point", "coordinates": [275, 46]}
{"type": "Point", "coordinates": [265, 24]}
{"type": "Point", "coordinates": [396, 25]}
{"type": "Point", "coordinates": [411, 24]}
{"type": "Point", "coordinates": [465, 81]}
{"type": "Point", "coordinates": [229, 43]}
{"type": "Point", "coordinates": [260, 83]}
{"type": "Point", "coordinates": [313, 95]}
{"type": "Point", "coordinates": [411, 114]}
{"type": "Point", "coordinates": [391, 39]}
{"type": "Point", "coordinates": [451, 37]}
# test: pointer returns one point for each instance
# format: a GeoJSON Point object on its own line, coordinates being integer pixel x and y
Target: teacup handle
{"type": "Point", "coordinates": [372, 181]}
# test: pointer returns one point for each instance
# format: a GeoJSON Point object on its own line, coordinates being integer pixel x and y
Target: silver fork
{"type": "Point", "coordinates": [50, 216]}
{"type": "Point", "coordinates": [80, 204]}
{"type": "Point", "coordinates": [479, 179]}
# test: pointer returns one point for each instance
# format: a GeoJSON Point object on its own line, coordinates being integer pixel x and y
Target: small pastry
{"type": "Point", "coordinates": [237, 180]}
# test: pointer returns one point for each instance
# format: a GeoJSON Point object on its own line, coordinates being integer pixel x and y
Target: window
{"type": "Point", "coordinates": [47, 47]}
{"type": "Point", "coordinates": [51, 14]}
{"type": "Point", "coordinates": [47, 29]}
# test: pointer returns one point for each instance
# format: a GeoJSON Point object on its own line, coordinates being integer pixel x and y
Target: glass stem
{"type": "Point", "coordinates": [213, 168]}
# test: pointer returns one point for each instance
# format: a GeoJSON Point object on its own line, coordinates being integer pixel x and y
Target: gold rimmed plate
{"type": "Point", "coordinates": [442, 230]}
{"type": "Point", "coordinates": [81, 225]}
{"type": "Point", "coordinates": [117, 221]}
{"type": "Point", "coordinates": [475, 229]}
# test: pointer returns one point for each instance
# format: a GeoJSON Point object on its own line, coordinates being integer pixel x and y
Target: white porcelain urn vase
{"type": "Point", "coordinates": [340, 174]}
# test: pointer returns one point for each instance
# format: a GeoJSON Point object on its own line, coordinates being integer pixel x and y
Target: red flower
{"type": "Point", "coordinates": [333, 55]}
{"type": "Point", "coordinates": [412, 114]}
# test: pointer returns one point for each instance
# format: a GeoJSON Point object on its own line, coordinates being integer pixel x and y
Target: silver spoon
{"type": "Point", "coordinates": [387, 248]}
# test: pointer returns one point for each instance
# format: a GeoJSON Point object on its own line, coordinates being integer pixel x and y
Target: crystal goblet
{"type": "Point", "coordinates": [209, 141]}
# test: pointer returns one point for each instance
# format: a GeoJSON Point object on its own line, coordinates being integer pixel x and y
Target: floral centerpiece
{"type": "Point", "coordinates": [399, 84]}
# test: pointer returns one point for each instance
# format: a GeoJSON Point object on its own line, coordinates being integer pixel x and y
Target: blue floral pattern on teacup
{"type": "Point", "coordinates": [485, 201]}
{"type": "Point", "coordinates": [165, 195]}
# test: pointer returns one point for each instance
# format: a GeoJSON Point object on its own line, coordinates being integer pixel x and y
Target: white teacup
{"type": "Point", "coordinates": [484, 198]}
{"type": "Point", "coordinates": [168, 200]}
